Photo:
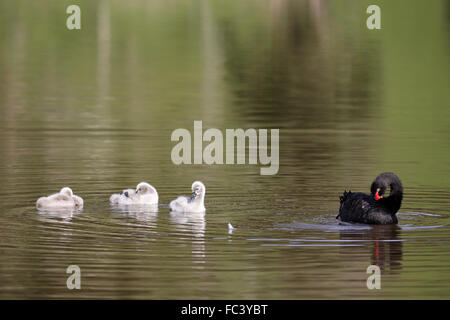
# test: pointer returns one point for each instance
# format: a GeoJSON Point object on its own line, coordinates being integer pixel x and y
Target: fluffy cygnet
{"type": "Point", "coordinates": [124, 197]}
{"type": "Point", "coordinates": [143, 194]}
{"type": "Point", "coordinates": [195, 203]}
{"type": "Point", "coordinates": [65, 199]}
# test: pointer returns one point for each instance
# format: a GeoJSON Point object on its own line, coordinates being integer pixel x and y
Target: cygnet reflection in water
{"type": "Point", "coordinates": [57, 215]}
{"type": "Point", "coordinates": [195, 224]}
{"type": "Point", "coordinates": [140, 212]}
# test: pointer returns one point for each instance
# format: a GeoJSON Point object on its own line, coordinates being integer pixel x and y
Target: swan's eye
{"type": "Point", "coordinates": [126, 194]}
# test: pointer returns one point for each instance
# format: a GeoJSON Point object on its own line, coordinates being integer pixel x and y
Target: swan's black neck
{"type": "Point", "coordinates": [393, 202]}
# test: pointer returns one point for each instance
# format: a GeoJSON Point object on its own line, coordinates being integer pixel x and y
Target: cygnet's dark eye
{"type": "Point", "coordinates": [126, 194]}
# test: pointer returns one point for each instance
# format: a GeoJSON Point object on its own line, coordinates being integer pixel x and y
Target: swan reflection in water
{"type": "Point", "coordinates": [62, 218]}
{"type": "Point", "coordinates": [193, 224]}
{"type": "Point", "coordinates": [383, 243]}
{"type": "Point", "coordinates": [146, 213]}
{"type": "Point", "coordinates": [57, 215]}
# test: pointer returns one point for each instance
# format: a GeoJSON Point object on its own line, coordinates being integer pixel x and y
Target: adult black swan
{"type": "Point", "coordinates": [373, 208]}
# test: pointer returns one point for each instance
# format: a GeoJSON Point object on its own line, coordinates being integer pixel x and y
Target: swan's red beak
{"type": "Point", "coordinates": [377, 196]}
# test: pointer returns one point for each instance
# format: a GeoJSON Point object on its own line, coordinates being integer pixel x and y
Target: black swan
{"type": "Point", "coordinates": [373, 208]}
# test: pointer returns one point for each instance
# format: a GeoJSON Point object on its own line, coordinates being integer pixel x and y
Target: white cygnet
{"type": "Point", "coordinates": [194, 204]}
{"type": "Point", "coordinates": [143, 194]}
{"type": "Point", "coordinates": [65, 199]}
{"type": "Point", "coordinates": [124, 197]}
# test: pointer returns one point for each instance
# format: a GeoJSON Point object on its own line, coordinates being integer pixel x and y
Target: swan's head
{"type": "Point", "coordinates": [145, 188]}
{"type": "Point", "coordinates": [384, 181]}
{"type": "Point", "coordinates": [198, 189]}
{"type": "Point", "coordinates": [78, 201]}
{"type": "Point", "coordinates": [66, 191]}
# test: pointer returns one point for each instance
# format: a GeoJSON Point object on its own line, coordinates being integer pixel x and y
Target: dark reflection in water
{"type": "Point", "coordinates": [382, 242]}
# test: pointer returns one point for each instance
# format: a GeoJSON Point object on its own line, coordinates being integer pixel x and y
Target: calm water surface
{"type": "Point", "coordinates": [94, 110]}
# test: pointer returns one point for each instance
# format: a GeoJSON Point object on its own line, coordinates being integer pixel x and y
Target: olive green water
{"type": "Point", "coordinates": [94, 109]}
